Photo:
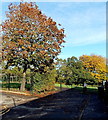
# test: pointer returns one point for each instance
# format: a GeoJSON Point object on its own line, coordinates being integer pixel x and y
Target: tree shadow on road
{"type": "Point", "coordinates": [64, 105]}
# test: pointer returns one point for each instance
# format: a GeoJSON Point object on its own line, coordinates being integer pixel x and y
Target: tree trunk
{"type": "Point", "coordinates": [9, 82]}
{"type": "Point", "coordinates": [31, 83]}
{"type": "Point", "coordinates": [22, 88]}
{"type": "Point", "coordinates": [60, 86]}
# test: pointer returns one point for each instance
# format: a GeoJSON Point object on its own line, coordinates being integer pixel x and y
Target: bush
{"type": "Point", "coordinates": [10, 85]}
{"type": "Point", "coordinates": [44, 82]}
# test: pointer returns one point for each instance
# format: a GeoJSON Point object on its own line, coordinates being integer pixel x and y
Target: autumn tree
{"type": "Point", "coordinates": [31, 40]}
{"type": "Point", "coordinates": [96, 65]}
{"type": "Point", "coordinates": [106, 68]}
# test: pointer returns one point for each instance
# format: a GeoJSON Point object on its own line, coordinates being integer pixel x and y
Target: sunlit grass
{"type": "Point", "coordinates": [79, 87]}
{"type": "Point", "coordinates": [63, 85]}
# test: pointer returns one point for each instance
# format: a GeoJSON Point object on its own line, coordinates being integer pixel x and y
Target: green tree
{"type": "Point", "coordinates": [79, 75]}
{"type": "Point", "coordinates": [75, 66]}
{"type": "Point", "coordinates": [71, 71]}
{"type": "Point", "coordinates": [43, 82]}
{"type": "Point", "coordinates": [63, 72]}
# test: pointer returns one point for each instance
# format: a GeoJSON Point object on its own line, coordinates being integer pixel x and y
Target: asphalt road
{"type": "Point", "coordinates": [65, 105]}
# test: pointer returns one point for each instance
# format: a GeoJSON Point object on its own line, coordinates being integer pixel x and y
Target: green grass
{"type": "Point", "coordinates": [11, 85]}
{"type": "Point", "coordinates": [91, 89]}
{"type": "Point", "coordinates": [67, 86]}
{"type": "Point", "coordinates": [77, 87]}
{"type": "Point", "coordinates": [63, 85]}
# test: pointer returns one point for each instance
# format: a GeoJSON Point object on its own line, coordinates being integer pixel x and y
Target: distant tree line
{"type": "Point", "coordinates": [90, 69]}
{"type": "Point", "coordinates": [87, 69]}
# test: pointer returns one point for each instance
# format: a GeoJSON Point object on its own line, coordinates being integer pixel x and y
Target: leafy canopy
{"type": "Point", "coordinates": [96, 65]}
{"type": "Point", "coordinates": [30, 38]}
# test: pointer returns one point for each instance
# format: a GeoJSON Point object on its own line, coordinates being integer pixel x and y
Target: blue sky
{"type": "Point", "coordinates": [84, 24]}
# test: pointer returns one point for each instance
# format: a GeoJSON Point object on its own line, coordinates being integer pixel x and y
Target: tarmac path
{"type": "Point", "coordinates": [68, 104]}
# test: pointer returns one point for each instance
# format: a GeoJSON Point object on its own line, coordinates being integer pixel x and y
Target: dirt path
{"type": "Point", "coordinates": [9, 98]}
